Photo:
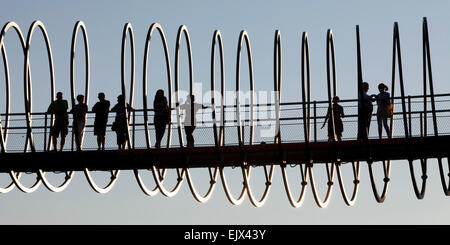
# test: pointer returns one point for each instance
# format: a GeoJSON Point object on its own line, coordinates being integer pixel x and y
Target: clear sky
{"type": "Point", "coordinates": [126, 204]}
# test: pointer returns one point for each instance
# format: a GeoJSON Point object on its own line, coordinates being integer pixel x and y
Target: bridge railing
{"type": "Point", "coordinates": [291, 125]}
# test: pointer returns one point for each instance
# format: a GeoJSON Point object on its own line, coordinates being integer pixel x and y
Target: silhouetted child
{"type": "Point", "coordinates": [338, 125]}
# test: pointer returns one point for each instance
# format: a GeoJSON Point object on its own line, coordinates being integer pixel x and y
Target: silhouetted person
{"type": "Point", "coordinates": [161, 117]}
{"type": "Point", "coordinates": [79, 120]}
{"type": "Point", "coordinates": [59, 108]}
{"type": "Point", "coordinates": [338, 126]}
{"type": "Point", "coordinates": [365, 103]}
{"type": "Point", "coordinates": [101, 110]}
{"type": "Point", "coordinates": [383, 101]}
{"type": "Point", "coordinates": [120, 122]}
{"type": "Point", "coordinates": [190, 108]}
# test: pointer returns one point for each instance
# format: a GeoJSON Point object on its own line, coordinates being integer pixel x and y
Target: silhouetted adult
{"type": "Point", "coordinates": [59, 109]}
{"type": "Point", "coordinates": [383, 101]}
{"type": "Point", "coordinates": [190, 110]}
{"type": "Point", "coordinates": [101, 110]}
{"type": "Point", "coordinates": [338, 113]}
{"type": "Point", "coordinates": [161, 117]}
{"type": "Point", "coordinates": [120, 122]}
{"type": "Point", "coordinates": [365, 104]}
{"type": "Point", "coordinates": [79, 120]}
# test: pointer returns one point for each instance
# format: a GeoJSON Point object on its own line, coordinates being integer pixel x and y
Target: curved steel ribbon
{"type": "Point", "coordinates": [356, 170]}
{"type": "Point", "coordinates": [306, 108]}
{"type": "Point", "coordinates": [157, 176]}
{"type": "Point", "coordinates": [160, 178]}
{"type": "Point", "coordinates": [4, 132]}
{"type": "Point", "coordinates": [182, 30]}
{"type": "Point", "coordinates": [15, 176]}
{"type": "Point", "coordinates": [244, 165]}
{"type": "Point", "coordinates": [426, 64]}
{"type": "Point", "coordinates": [81, 25]}
{"type": "Point", "coordinates": [349, 201]}
{"type": "Point", "coordinates": [40, 25]}
{"type": "Point", "coordinates": [219, 140]}
{"type": "Point", "coordinates": [127, 29]}
{"type": "Point", "coordinates": [386, 164]}
{"type": "Point", "coordinates": [330, 173]}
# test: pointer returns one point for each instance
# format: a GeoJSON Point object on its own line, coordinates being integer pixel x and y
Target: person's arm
{"type": "Point", "coordinates": [326, 118]}
{"type": "Point", "coordinates": [50, 108]}
{"type": "Point", "coordinates": [94, 108]}
{"type": "Point", "coordinates": [129, 108]}
{"type": "Point", "coordinates": [114, 109]}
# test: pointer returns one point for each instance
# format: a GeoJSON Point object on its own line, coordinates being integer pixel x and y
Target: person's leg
{"type": "Point", "coordinates": [99, 142]}
{"type": "Point", "coordinates": [63, 141]}
{"type": "Point", "coordinates": [55, 132]}
{"type": "Point", "coordinates": [76, 131]}
{"type": "Point", "coordinates": [386, 126]}
{"type": "Point", "coordinates": [55, 142]}
{"type": "Point", "coordinates": [81, 133]}
{"type": "Point", "coordinates": [189, 137]}
{"type": "Point", "coordinates": [380, 126]}
{"type": "Point", "coordinates": [102, 139]}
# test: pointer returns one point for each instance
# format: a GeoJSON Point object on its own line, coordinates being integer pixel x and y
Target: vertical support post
{"type": "Point", "coordinates": [45, 133]}
{"type": "Point", "coordinates": [409, 115]}
{"type": "Point", "coordinates": [421, 125]}
{"type": "Point", "coordinates": [315, 121]}
{"type": "Point", "coordinates": [134, 128]}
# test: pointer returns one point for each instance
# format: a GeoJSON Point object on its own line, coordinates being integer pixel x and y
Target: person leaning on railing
{"type": "Point", "coordinates": [59, 109]}
{"type": "Point", "coordinates": [101, 110]}
{"type": "Point", "coordinates": [120, 122]}
{"type": "Point", "coordinates": [79, 120]}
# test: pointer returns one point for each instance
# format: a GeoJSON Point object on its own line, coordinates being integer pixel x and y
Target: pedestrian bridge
{"type": "Point", "coordinates": [249, 135]}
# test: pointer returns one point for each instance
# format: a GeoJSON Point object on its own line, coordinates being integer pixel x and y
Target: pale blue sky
{"type": "Point", "coordinates": [126, 204]}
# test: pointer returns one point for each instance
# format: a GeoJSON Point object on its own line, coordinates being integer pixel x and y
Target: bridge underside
{"type": "Point", "coordinates": [229, 156]}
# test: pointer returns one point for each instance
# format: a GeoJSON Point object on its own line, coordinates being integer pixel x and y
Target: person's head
{"type": "Point", "coordinates": [382, 87]}
{"type": "Point", "coordinates": [80, 98]}
{"type": "Point", "coordinates": [59, 96]}
{"type": "Point", "coordinates": [190, 99]}
{"type": "Point", "coordinates": [365, 87]}
{"type": "Point", "coordinates": [336, 99]}
{"type": "Point", "coordinates": [120, 99]}
{"type": "Point", "coordinates": [101, 96]}
{"type": "Point", "coordinates": [159, 95]}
